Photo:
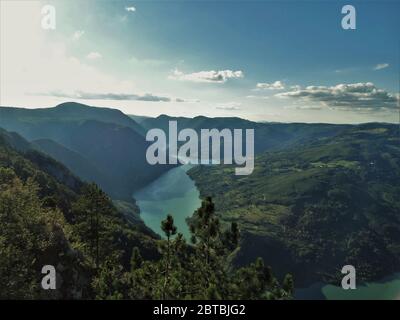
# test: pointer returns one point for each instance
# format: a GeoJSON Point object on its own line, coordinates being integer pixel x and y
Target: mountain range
{"type": "Point", "coordinates": [97, 144]}
{"type": "Point", "coordinates": [321, 195]}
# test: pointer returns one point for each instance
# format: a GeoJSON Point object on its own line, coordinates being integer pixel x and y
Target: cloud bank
{"type": "Point", "coordinates": [355, 96]}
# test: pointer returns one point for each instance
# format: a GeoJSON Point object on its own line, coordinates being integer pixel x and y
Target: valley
{"type": "Point", "coordinates": [188, 151]}
{"type": "Point", "coordinates": [320, 196]}
{"type": "Point", "coordinates": [317, 207]}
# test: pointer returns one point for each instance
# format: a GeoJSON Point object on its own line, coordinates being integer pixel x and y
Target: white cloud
{"type": "Point", "coordinates": [277, 85]}
{"type": "Point", "coordinates": [130, 9]}
{"type": "Point", "coordinates": [206, 76]}
{"type": "Point", "coordinates": [257, 97]}
{"type": "Point", "coordinates": [78, 34]}
{"type": "Point", "coordinates": [111, 96]}
{"type": "Point", "coordinates": [94, 56]}
{"type": "Point", "coordinates": [229, 106]}
{"type": "Point", "coordinates": [354, 96]}
{"type": "Point", "coordinates": [380, 66]}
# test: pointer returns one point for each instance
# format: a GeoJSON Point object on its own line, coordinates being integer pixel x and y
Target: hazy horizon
{"type": "Point", "coordinates": [194, 116]}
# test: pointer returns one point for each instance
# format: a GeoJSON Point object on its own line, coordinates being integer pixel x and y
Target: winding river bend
{"type": "Point", "coordinates": [173, 193]}
{"type": "Point", "coordinates": [176, 194]}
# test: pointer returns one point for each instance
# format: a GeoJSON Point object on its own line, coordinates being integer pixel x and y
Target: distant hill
{"type": "Point", "coordinates": [97, 144]}
{"type": "Point", "coordinates": [314, 208]}
{"type": "Point", "coordinates": [268, 136]}
{"type": "Point", "coordinates": [138, 119]}
{"type": "Point", "coordinates": [27, 121]}
{"type": "Point", "coordinates": [108, 147]}
{"type": "Point", "coordinates": [14, 140]}
{"type": "Point", "coordinates": [78, 164]}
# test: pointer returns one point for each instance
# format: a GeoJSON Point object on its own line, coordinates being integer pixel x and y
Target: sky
{"type": "Point", "coordinates": [285, 61]}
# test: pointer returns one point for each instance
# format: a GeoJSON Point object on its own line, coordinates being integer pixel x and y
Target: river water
{"type": "Point", "coordinates": [176, 194]}
{"type": "Point", "coordinates": [173, 193]}
{"type": "Point", "coordinates": [386, 289]}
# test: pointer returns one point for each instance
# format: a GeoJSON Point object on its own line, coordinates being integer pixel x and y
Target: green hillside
{"type": "Point", "coordinates": [101, 250]}
{"type": "Point", "coordinates": [314, 208]}
{"type": "Point", "coordinates": [78, 164]}
{"type": "Point", "coordinates": [46, 217]}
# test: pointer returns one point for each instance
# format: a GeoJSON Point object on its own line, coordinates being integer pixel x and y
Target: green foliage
{"type": "Point", "coordinates": [136, 259]}
{"type": "Point", "coordinates": [47, 216]}
{"type": "Point", "coordinates": [201, 270]}
{"type": "Point", "coordinates": [168, 226]}
{"type": "Point", "coordinates": [313, 208]}
{"type": "Point", "coordinates": [30, 237]}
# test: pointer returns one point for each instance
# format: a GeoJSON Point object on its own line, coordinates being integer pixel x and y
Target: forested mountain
{"type": "Point", "coordinates": [28, 121]}
{"type": "Point", "coordinates": [97, 144]}
{"type": "Point", "coordinates": [314, 208]}
{"type": "Point", "coordinates": [47, 217]}
{"type": "Point", "coordinates": [267, 136]}
{"type": "Point", "coordinates": [50, 217]}
{"type": "Point", "coordinates": [78, 164]}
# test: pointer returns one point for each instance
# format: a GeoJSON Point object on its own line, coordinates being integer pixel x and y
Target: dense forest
{"type": "Point", "coordinates": [50, 217]}
{"type": "Point", "coordinates": [318, 206]}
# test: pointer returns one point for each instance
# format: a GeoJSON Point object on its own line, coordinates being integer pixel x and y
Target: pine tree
{"type": "Point", "coordinates": [205, 228]}
{"type": "Point", "coordinates": [288, 285]}
{"type": "Point", "coordinates": [136, 259]}
{"type": "Point", "coordinates": [169, 229]}
{"type": "Point", "coordinates": [90, 213]}
{"type": "Point", "coordinates": [107, 284]}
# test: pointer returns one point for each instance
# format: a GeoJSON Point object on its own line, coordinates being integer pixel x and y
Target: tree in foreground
{"type": "Point", "coordinates": [201, 270]}
{"type": "Point", "coordinates": [169, 230]}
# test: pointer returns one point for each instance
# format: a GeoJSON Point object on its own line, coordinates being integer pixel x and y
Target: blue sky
{"type": "Point", "coordinates": [262, 60]}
